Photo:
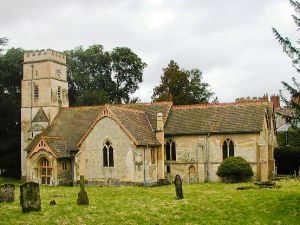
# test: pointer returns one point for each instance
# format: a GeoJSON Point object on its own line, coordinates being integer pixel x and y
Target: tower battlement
{"type": "Point", "coordinates": [41, 55]}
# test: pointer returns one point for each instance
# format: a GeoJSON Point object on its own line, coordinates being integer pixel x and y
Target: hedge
{"type": "Point", "coordinates": [287, 159]}
{"type": "Point", "coordinates": [235, 169]}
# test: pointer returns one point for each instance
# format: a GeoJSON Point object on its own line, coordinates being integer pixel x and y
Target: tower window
{"type": "Point", "coordinates": [36, 91]}
{"type": "Point", "coordinates": [59, 93]}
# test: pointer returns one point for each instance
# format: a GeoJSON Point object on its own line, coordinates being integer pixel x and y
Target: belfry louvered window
{"type": "Point", "coordinates": [170, 150]}
{"type": "Point", "coordinates": [36, 91]}
{"type": "Point", "coordinates": [108, 155]}
{"type": "Point", "coordinates": [228, 148]}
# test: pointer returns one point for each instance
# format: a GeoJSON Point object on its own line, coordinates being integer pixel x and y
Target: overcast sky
{"type": "Point", "coordinates": [230, 41]}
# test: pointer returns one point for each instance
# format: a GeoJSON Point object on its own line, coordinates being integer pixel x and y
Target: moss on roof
{"type": "Point", "coordinates": [234, 118]}
{"type": "Point", "coordinates": [72, 123]}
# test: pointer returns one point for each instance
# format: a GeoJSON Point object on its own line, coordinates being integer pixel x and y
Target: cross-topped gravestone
{"type": "Point", "coordinates": [7, 193]}
{"type": "Point", "coordinates": [30, 199]}
{"type": "Point", "coordinates": [178, 187]}
{"type": "Point", "coordinates": [82, 198]}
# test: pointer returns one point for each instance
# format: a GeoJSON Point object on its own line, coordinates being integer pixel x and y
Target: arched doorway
{"type": "Point", "coordinates": [192, 174]}
{"type": "Point", "coordinates": [45, 171]}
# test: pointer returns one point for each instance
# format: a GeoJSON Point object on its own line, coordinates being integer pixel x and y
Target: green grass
{"type": "Point", "coordinates": [208, 203]}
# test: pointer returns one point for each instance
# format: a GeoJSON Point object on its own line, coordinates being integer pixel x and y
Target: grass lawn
{"type": "Point", "coordinates": [207, 203]}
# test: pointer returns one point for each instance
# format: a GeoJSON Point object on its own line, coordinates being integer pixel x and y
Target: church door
{"type": "Point", "coordinates": [45, 171]}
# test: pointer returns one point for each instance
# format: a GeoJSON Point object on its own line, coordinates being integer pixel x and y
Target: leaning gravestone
{"type": "Point", "coordinates": [7, 193]}
{"type": "Point", "coordinates": [30, 199]}
{"type": "Point", "coordinates": [82, 198]}
{"type": "Point", "coordinates": [178, 187]}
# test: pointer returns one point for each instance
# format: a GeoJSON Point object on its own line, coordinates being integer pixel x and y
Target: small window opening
{"type": "Point", "coordinates": [36, 91]}
{"type": "Point", "coordinates": [59, 93]}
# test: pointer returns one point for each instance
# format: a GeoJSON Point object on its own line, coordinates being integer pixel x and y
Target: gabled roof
{"type": "Point", "coordinates": [40, 116]}
{"type": "Point", "coordinates": [137, 124]}
{"type": "Point", "coordinates": [72, 125]}
{"type": "Point", "coordinates": [218, 118]}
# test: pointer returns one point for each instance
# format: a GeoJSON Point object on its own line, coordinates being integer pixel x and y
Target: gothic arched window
{"type": "Point", "coordinates": [170, 150]}
{"type": "Point", "coordinates": [228, 148]}
{"type": "Point", "coordinates": [108, 155]}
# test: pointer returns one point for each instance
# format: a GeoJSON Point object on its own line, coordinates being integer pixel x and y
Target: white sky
{"type": "Point", "coordinates": [230, 41]}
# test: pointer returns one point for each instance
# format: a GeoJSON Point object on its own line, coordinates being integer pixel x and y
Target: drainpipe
{"type": "Point", "coordinates": [207, 158]}
{"type": "Point", "coordinates": [144, 166]}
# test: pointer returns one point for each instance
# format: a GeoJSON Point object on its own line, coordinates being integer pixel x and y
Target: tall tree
{"type": "Point", "coordinates": [128, 73]}
{"type": "Point", "coordinates": [10, 104]}
{"type": "Point", "coordinates": [3, 42]}
{"type": "Point", "coordinates": [181, 86]}
{"type": "Point", "coordinates": [89, 71]}
{"type": "Point", "coordinates": [292, 51]}
{"type": "Point", "coordinates": [96, 76]}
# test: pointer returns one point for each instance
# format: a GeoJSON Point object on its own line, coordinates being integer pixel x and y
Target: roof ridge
{"type": "Point", "coordinates": [142, 103]}
{"type": "Point", "coordinates": [208, 105]}
{"type": "Point", "coordinates": [83, 107]}
{"type": "Point", "coordinates": [129, 109]}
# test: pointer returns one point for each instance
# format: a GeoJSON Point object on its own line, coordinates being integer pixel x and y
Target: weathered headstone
{"type": "Point", "coordinates": [30, 199]}
{"type": "Point", "coordinates": [178, 187]}
{"type": "Point", "coordinates": [7, 193]}
{"type": "Point", "coordinates": [82, 198]}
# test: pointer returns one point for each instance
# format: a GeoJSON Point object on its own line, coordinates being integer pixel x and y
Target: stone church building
{"type": "Point", "coordinates": [144, 144]}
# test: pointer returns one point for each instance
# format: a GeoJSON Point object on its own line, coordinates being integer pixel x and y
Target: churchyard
{"type": "Point", "coordinates": [203, 203]}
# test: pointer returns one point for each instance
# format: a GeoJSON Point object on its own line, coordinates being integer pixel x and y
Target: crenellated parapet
{"type": "Point", "coordinates": [42, 55]}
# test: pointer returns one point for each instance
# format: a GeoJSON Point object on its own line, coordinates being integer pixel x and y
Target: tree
{"type": "Point", "coordinates": [294, 53]}
{"type": "Point", "coordinates": [128, 73]}
{"type": "Point", "coordinates": [3, 42]}
{"type": "Point", "coordinates": [102, 76]}
{"type": "Point", "coordinates": [89, 71]}
{"type": "Point", "coordinates": [181, 86]}
{"type": "Point", "coordinates": [11, 69]}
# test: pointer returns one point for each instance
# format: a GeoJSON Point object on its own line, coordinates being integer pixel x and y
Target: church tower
{"type": "Point", "coordinates": [44, 91]}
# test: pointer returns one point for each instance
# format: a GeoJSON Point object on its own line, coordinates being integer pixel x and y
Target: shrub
{"type": "Point", "coordinates": [235, 169]}
{"type": "Point", "coordinates": [287, 159]}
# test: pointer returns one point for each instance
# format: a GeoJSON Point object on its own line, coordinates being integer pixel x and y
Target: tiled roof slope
{"type": "Point", "coordinates": [72, 123]}
{"type": "Point", "coordinates": [221, 118]}
{"type": "Point", "coordinates": [137, 123]}
{"type": "Point", "coordinates": [57, 145]}
{"type": "Point", "coordinates": [151, 109]}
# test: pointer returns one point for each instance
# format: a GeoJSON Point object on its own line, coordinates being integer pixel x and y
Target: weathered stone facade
{"type": "Point", "coordinates": [134, 144]}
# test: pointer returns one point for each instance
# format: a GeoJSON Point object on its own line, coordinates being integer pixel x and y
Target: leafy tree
{"type": "Point", "coordinates": [181, 86]}
{"type": "Point", "coordinates": [10, 104]}
{"type": "Point", "coordinates": [3, 42]}
{"type": "Point", "coordinates": [89, 71]}
{"type": "Point", "coordinates": [128, 73]}
{"type": "Point", "coordinates": [102, 76]}
{"type": "Point", "coordinates": [293, 52]}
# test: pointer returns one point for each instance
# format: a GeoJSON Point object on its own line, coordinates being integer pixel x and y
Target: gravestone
{"type": "Point", "coordinates": [178, 187]}
{"type": "Point", "coordinates": [7, 193]}
{"type": "Point", "coordinates": [30, 199]}
{"type": "Point", "coordinates": [82, 198]}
